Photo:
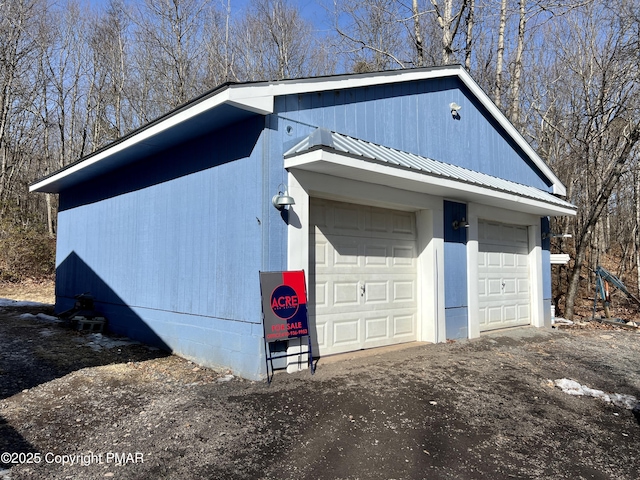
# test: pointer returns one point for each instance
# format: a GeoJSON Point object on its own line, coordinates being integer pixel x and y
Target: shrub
{"type": "Point", "coordinates": [26, 252]}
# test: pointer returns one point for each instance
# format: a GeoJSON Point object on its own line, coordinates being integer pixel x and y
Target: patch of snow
{"type": "Point", "coordinates": [572, 387]}
{"type": "Point", "coordinates": [40, 316]}
{"type": "Point", "coordinates": [48, 318]}
{"type": "Point", "coordinates": [561, 321]}
{"type": "Point", "coordinates": [97, 341]}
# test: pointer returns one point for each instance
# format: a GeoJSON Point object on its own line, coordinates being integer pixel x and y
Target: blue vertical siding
{"type": "Point", "coordinates": [415, 117]}
{"type": "Point", "coordinates": [173, 257]}
{"type": "Point", "coordinates": [455, 272]}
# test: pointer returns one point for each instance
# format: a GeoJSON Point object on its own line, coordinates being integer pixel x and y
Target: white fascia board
{"type": "Point", "coordinates": [322, 161]}
{"type": "Point", "coordinates": [261, 105]}
{"type": "Point", "coordinates": [341, 82]}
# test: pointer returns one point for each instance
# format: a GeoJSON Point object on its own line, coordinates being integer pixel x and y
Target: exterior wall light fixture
{"type": "Point", "coordinates": [282, 199]}
{"type": "Point", "coordinates": [455, 108]}
{"type": "Point", "coordinates": [460, 224]}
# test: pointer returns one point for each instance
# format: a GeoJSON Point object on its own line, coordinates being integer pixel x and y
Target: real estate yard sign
{"type": "Point", "coordinates": [284, 305]}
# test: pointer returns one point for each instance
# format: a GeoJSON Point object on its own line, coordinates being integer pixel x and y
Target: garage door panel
{"type": "Point", "coordinates": [377, 328]}
{"type": "Point", "coordinates": [318, 216]}
{"type": "Point", "coordinates": [376, 292]}
{"type": "Point", "coordinates": [321, 253]}
{"type": "Point", "coordinates": [345, 261]}
{"type": "Point", "coordinates": [504, 287]}
{"type": "Point", "coordinates": [345, 293]}
{"type": "Point", "coordinates": [510, 313]}
{"type": "Point", "coordinates": [482, 287]}
{"type": "Point", "coordinates": [404, 291]}
{"type": "Point", "coordinates": [493, 259]}
{"type": "Point", "coordinates": [403, 255]}
{"type": "Point", "coordinates": [508, 260]}
{"type": "Point", "coordinates": [346, 331]}
{"type": "Point", "coordinates": [320, 332]}
{"type": "Point", "coordinates": [344, 253]}
{"type": "Point", "coordinates": [346, 218]}
{"type": "Point", "coordinates": [376, 255]}
{"type": "Point", "coordinates": [403, 223]}
{"type": "Point", "coordinates": [321, 297]}
{"type": "Point", "coordinates": [368, 275]}
{"type": "Point", "coordinates": [494, 287]}
{"type": "Point", "coordinates": [523, 311]}
{"type": "Point", "coordinates": [404, 325]}
{"type": "Point", "coordinates": [509, 286]}
{"type": "Point", "coordinates": [377, 221]}
{"type": "Point", "coordinates": [494, 315]}
{"type": "Point", "coordinates": [523, 287]}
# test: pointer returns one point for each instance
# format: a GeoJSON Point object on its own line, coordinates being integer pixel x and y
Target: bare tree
{"type": "Point", "coordinates": [469, 40]}
{"type": "Point", "coordinates": [218, 46]}
{"type": "Point", "coordinates": [498, 90]}
{"type": "Point", "coordinates": [273, 41]}
{"type": "Point", "coordinates": [18, 53]}
{"type": "Point", "coordinates": [516, 78]}
{"type": "Point", "coordinates": [372, 33]}
{"type": "Point", "coordinates": [417, 34]}
{"type": "Point", "coordinates": [109, 43]}
{"type": "Point", "coordinates": [169, 55]}
{"type": "Point", "coordinates": [66, 64]}
{"type": "Point", "coordinates": [593, 113]}
{"type": "Point", "coordinates": [449, 18]}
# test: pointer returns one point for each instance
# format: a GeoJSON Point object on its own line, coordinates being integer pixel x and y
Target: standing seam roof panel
{"type": "Point", "coordinates": [381, 154]}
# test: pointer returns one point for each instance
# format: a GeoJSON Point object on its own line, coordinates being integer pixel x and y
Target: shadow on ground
{"type": "Point", "coordinates": [35, 349]}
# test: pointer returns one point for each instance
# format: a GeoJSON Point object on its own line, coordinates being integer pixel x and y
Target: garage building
{"type": "Point", "coordinates": [420, 214]}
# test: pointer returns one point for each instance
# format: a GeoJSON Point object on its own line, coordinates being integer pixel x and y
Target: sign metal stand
{"type": "Point", "coordinates": [285, 314]}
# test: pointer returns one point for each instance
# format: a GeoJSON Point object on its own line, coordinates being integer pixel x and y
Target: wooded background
{"type": "Point", "coordinates": [75, 76]}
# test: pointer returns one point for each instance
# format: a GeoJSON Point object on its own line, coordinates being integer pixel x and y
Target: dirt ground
{"type": "Point", "coordinates": [78, 405]}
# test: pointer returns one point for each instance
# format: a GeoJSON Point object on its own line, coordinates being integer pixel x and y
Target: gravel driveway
{"type": "Point", "coordinates": [75, 405]}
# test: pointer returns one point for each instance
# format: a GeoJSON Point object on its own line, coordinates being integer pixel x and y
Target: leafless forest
{"type": "Point", "coordinates": [76, 75]}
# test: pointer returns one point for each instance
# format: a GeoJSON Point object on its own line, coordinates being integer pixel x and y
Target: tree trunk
{"type": "Point", "coordinates": [417, 35]}
{"type": "Point", "coordinates": [497, 92]}
{"type": "Point", "coordinates": [449, 24]}
{"type": "Point", "coordinates": [469, 42]}
{"type": "Point", "coordinates": [514, 114]}
{"type": "Point", "coordinates": [636, 228]}
{"type": "Point", "coordinates": [50, 214]}
{"type": "Point", "coordinates": [594, 215]}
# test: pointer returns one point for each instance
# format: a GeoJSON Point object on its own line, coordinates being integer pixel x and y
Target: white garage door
{"type": "Point", "coordinates": [363, 276]}
{"type": "Point", "coordinates": [505, 298]}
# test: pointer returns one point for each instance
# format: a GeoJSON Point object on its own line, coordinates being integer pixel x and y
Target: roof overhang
{"type": "Point", "coordinates": [213, 111]}
{"type": "Point", "coordinates": [362, 161]}
{"type": "Point", "coordinates": [230, 102]}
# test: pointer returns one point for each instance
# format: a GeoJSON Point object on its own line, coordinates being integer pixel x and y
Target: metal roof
{"type": "Point", "coordinates": [322, 139]}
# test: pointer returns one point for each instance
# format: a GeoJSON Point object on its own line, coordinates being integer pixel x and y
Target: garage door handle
{"type": "Point", "coordinates": [362, 290]}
